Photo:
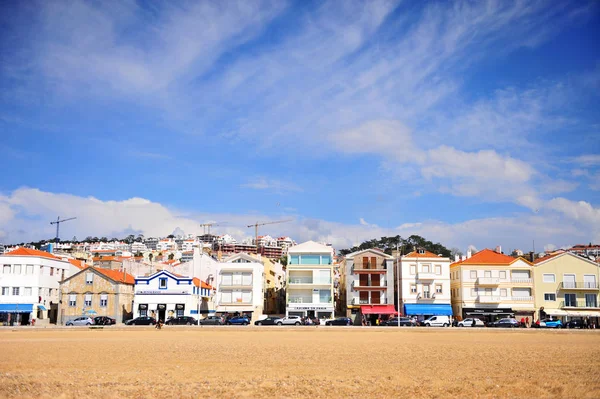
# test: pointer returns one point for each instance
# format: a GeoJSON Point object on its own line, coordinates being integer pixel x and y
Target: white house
{"type": "Point", "coordinates": [310, 280]}
{"type": "Point", "coordinates": [425, 284]}
{"type": "Point", "coordinates": [240, 286]}
{"type": "Point", "coordinates": [29, 283]}
{"type": "Point", "coordinates": [164, 295]}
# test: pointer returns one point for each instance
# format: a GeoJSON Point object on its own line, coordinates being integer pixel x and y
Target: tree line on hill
{"type": "Point", "coordinates": [405, 245]}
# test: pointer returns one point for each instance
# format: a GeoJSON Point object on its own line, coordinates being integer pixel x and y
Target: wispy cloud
{"type": "Point", "coordinates": [149, 155]}
{"type": "Point", "coordinates": [277, 186]}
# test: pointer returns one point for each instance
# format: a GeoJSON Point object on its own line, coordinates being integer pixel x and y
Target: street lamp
{"type": "Point", "coordinates": [398, 279]}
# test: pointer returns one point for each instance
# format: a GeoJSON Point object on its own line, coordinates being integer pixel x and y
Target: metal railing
{"type": "Point", "coordinates": [489, 299]}
{"type": "Point", "coordinates": [362, 268]}
{"type": "Point", "coordinates": [357, 284]}
{"type": "Point", "coordinates": [358, 301]}
{"type": "Point", "coordinates": [521, 280]}
{"type": "Point", "coordinates": [522, 298]}
{"type": "Point", "coordinates": [579, 303]}
{"type": "Point", "coordinates": [488, 281]}
{"type": "Point", "coordinates": [567, 285]}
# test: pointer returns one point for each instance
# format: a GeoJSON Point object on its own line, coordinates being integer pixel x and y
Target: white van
{"type": "Point", "coordinates": [436, 321]}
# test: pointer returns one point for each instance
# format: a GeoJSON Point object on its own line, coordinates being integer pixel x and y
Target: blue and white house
{"type": "Point", "coordinates": [310, 281]}
{"type": "Point", "coordinates": [163, 295]}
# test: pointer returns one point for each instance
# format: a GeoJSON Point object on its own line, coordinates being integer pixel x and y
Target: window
{"type": "Point", "coordinates": [16, 291]}
{"type": "Point", "coordinates": [473, 292]}
{"type": "Point", "coordinates": [324, 296]}
{"type": "Point", "coordinates": [89, 278]}
{"type": "Point", "coordinates": [503, 274]}
{"type": "Point", "coordinates": [438, 288]}
{"type": "Point", "coordinates": [17, 269]}
{"type": "Point", "coordinates": [87, 300]}
{"type": "Point", "coordinates": [52, 271]}
{"type": "Point", "coordinates": [27, 291]}
{"type": "Point", "coordinates": [549, 278]}
{"type": "Point", "coordinates": [503, 292]}
{"type": "Point", "coordinates": [487, 273]}
{"type": "Point", "coordinates": [72, 300]}
{"type": "Point", "coordinates": [426, 293]}
{"type": "Point", "coordinates": [246, 297]}
{"type": "Point", "coordinates": [226, 297]}
{"type": "Point", "coordinates": [425, 268]}
{"type": "Point", "coordinates": [162, 283]}
{"type": "Point", "coordinates": [413, 288]}
{"type": "Point", "coordinates": [29, 269]}
{"type": "Point", "coordinates": [295, 260]}
{"type": "Point", "coordinates": [474, 274]}
{"type": "Point", "coordinates": [590, 300]}
{"type": "Point", "coordinates": [413, 269]}
{"type": "Point", "coordinates": [438, 269]}
{"type": "Point", "coordinates": [5, 291]}
{"type": "Point", "coordinates": [570, 300]}
{"type": "Point", "coordinates": [550, 296]}
{"type": "Point", "coordinates": [6, 269]}
{"type": "Point", "coordinates": [226, 279]}
{"type": "Point", "coordinates": [103, 300]}
{"type": "Point", "coordinates": [246, 278]}
{"type": "Point", "coordinates": [488, 292]}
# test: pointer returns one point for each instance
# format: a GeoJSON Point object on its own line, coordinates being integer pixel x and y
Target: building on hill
{"type": "Point", "coordinates": [29, 284]}
{"type": "Point", "coordinates": [490, 285]}
{"type": "Point", "coordinates": [97, 291]}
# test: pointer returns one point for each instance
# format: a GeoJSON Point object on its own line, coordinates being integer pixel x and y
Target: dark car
{"type": "Point", "coordinates": [182, 321]}
{"type": "Point", "coordinates": [575, 324]}
{"type": "Point", "coordinates": [505, 323]}
{"type": "Point", "coordinates": [269, 321]}
{"type": "Point", "coordinates": [141, 321]}
{"type": "Point", "coordinates": [212, 321]}
{"type": "Point", "coordinates": [404, 322]}
{"type": "Point", "coordinates": [239, 320]}
{"type": "Point", "coordinates": [104, 321]}
{"type": "Point", "coordinates": [340, 321]}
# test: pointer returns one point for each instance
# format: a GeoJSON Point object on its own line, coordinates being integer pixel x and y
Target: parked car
{"type": "Point", "coordinates": [553, 323]}
{"type": "Point", "coordinates": [182, 320]}
{"type": "Point", "coordinates": [212, 321]}
{"type": "Point", "coordinates": [404, 322]}
{"type": "Point", "coordinates": [340, 321]}
{"type": "Point", "coordinates": [104, 321]}
{"type": "Point", "coordinates": [437, 321]}
{"type": "Point", "coordinates": [578, 323]}
{"type": "Point", "coordinates": [469, 323]}
{"type": "Point", "coordinates": [238, 320]}
{"type": "Point", "coordinates": [141, 321]}
{"type": "Point", "coordinates": [507, 322]}
{"type": "Point", "coordinates": [291, 321]}
{"type": "Point", "coordinates": [269, 321]}
{"type": "Point", "coordinates": [80, 321]}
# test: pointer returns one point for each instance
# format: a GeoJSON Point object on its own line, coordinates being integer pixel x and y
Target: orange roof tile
{"type": "Point", "coordinates": [196, 281]}
{"type": "Point", "coordinates": [489, 257]}
{"type": "Point", "coordinates": [77, 263]}
{"type": "Point", "coordinates": [427, 254]}
{"type": "Point", "coordinates": [115, 275]}
{"type": "Point", "coordinates": [32, 252]}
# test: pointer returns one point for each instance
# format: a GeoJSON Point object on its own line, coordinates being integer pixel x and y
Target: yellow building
{"type": "Point", "coordinates": [105, 292]}
{"type": "Point", "coordinates": [566, 287]}
{"type": "Point", "coordinates": [490, 285]}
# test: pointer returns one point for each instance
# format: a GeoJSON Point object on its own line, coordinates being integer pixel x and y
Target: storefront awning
{"type": "Point", "coordinates": [378, 309]}
{"type": "Point", "coordinates": [427, 310]}
{"type": "Point", "coordinates": [555, 312]}
{"type": "Point", "coordinates": [16, 308]}
{"type": "Point", "coordinates": [41, 307]}
{"type": "Point", "coordinates": [582, 313]}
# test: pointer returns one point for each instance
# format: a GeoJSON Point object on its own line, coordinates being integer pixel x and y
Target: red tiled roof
{"type": "Point", "coordinates": [196, 281]}
{"type": "Point", "coordinates": [115, 275]}
{"type": "Point", "coordinates": [32, 252]}
{"type": "Point", "coordinates": [427, 254]}
{"type": "Point", "coordinates": [489, 257]}
{"type": "Point", "coordinates": [77, 263]}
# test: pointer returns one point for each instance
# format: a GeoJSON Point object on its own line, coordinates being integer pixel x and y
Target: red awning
{"type": "Point", "coordinates": [378, 309]}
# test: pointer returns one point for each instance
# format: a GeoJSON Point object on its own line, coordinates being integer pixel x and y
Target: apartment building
{"type": "Point", "coordinates": [151, 243]}
{"type": "Point", "coordinates": [29, 284]}
{"type": "Point", "coordinates": [490, 285]}
{"type": "Point", "coordinates": [424, 284]}
{"type": "Point", "coordinates": [166, 245]}
{"type": "Point", "coordinates": [284, 243]}
{"type": "Point", "coordinates": [240, 286]}
{"type": "Point", "coordinates": [97, 292]}
{"type": "Point", "coordinates": [310, 280]}
{"type": "Point", "coordinates": [367, 284]}
{"type": "Point", "coordinates": [566, 287]}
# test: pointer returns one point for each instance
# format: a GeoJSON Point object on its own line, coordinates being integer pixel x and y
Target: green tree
{"type": "Point", "coordinates": [150, 257]}
{"type": "Point", "coordinates": [171, 256]}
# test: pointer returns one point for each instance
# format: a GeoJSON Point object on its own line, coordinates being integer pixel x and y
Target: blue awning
{"type": "Point", "coordinates": [41, 307]}
{"type": "Point", "coordinates": [427, 310]}
{"type": "Point", "coordinates": [16, 308]}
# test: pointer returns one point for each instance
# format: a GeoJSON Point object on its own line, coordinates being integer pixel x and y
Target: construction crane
{"type": "Point", "coordinates": [255, 225]}
{"type": "Point", "coordinates": [57, 223]}
{"type": "Point", "coordinates": [207, 225]}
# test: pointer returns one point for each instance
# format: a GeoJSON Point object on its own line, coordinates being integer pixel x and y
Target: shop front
{"type": "Point", "coordinates": [15, 314]}
{"type": "Point", "coordinates": [371, 313]}
{"type": "Point", "coordinates": [423, 311]}
{"type": "Point", "coordinates": [303, 310]}
{"type": "Point", "coordinates": [488, 314]}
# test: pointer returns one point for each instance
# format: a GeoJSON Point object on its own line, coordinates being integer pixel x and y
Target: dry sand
{"type": "Point", "coordinates": [298, 362]}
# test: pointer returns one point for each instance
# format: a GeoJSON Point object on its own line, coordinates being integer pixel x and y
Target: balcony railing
{"type": "Point", "coordinates": [522, 298]}
{"type": "Point", "coordinates": [305, 280]}
{"type": "Point", "coordinates": [580, 303]}
{"type": "Point", "coordinates": [521, 281]}
{"type": "Point", "coordinates": [566, 285]}
{"type": "Point", "coordinates": [300, 299]}
{"type": "Point", "coordinates": [488, 281]}
{"type": "Point", "coordinates": [361, 268]}
{"type": "Point", "coordinates": [357, 301]}
{"type": "Point", "coordinates": [489, 299]}
{"type": "Point", "coordinates": [357, 284]}
{"type": "Point", "coordinates": [426, 276]}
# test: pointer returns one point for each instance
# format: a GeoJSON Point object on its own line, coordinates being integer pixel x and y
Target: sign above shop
{"type": "Point", "coordinates": [161, 292]}
{"type": "Point", "coordinates": [310, 307]}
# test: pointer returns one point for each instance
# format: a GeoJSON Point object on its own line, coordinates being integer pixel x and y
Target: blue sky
{"type": "Point", "coordinates": [470, 123]}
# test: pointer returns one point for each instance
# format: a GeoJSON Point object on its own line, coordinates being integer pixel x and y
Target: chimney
{"type": "Point", "coordinates": [469, 253]}
{"type": "Point", "coordinates": [456, 258]}
{"type": "Point", "coordinates": [463, 257]}
{"type": "Point", "coordinates": [531, 256]}
{"type": "Point", "coordinates": [499, 249]}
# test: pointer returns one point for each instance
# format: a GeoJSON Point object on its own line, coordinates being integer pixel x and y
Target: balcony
{"type": "Point", "coordinates": [426, 276]}
{"type": "Point", "coordinates": [360, 269]}
{"type": "Point", "coordinates": [517, 281]}
{"type": "Point", "coordinates": [358, 301]}
{"type": "Point", "coordinates": [580, 304]}
{"type": "Point", "coordinates": [300, 299]}
{"type": "Point", "coordinates": [488, 281]}
{"type": "Point", "coordinates": [356, 285]}
{"type": "Point", "coordinates": [488, 299]}
{"type": "Point", "coordinates": [297, 281]}
{"type": "Point", "coordinates": [235, 286]}
{"type": "Point", "coordinates": [522, 299]}
{"type": "Point", "coordinates": [589, 286]}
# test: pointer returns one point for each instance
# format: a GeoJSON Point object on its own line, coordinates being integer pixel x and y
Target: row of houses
{"type": "Point", "coordinates": [365, 284]}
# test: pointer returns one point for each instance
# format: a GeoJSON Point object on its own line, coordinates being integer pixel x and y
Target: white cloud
{"type": "Point", "coordinates": [587, 160]}
{"type": "Point", "coordinates": [277, 186]}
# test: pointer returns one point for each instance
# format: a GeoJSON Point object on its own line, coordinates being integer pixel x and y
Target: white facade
{"type": "Point", "coordinates": [226, 239]}
{"type": "Point", "coordinates": [310, 281]}
{"type": "Point", "coordinates": [166, 245]}
{"type": "Point", "coordinates": [425, 281]}
{"type": "Point", "coordinates": [240, 286]}
{"type": "Point", "coordinates": [30, 279]}
{"type": "Point", "coordinates": [164, 295]}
